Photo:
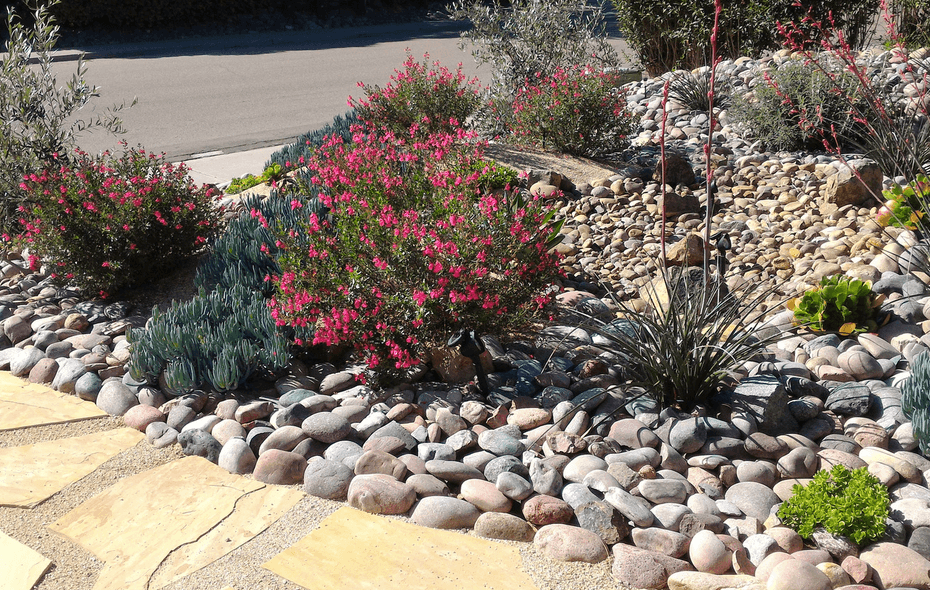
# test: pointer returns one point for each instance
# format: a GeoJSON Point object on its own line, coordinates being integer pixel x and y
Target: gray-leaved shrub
{"type": "Point", "coordinates": [797, 107]}
{"type": "Point", "coordinates": [522, 37]}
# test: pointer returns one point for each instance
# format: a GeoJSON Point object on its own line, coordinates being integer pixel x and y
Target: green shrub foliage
{"type": "Point", "coordinates": [422, 98]}
{"type": "Point", "coordinates": [273, 173]}
{"type": "Point", "coordinates": [671, 34]}
{"type": "Point", "coordinates": [411, 252]}
{"type": "Point", "coordinates": [38, 116]}
{"type": "Point", "coordinates": [915, 399]}
{"type": "Point", "coordinates": [578, 111]}
{"type": "Point", "coordinates": [840, 304]}
{"type": "Point", "coordinates": [116, 221]}
{"type": "Point", "coordinates": [850, 503]}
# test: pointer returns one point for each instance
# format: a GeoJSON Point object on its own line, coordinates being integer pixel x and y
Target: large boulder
{"type": "Point", "coordinates": [678, 171]}
{"type": "Point", "coordinates": [765, 399]}
{"type": "Point", "coordinates": [861, 184]}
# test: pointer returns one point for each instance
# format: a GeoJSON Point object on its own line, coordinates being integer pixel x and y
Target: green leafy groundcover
{"type": "Point", "coordinates": [840, 304]}
{"type": "Point", "coordinates": [850, 503]}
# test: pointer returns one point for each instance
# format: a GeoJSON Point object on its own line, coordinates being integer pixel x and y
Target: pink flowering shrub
{"type": "Point", "coordinates": [411, 250]}
{"type": "Point", "coordinates": [115, 221]}
{"type": "Point", "coordinates": [578, 111]}
{"type": "Point", "coordinates": [420, 99]}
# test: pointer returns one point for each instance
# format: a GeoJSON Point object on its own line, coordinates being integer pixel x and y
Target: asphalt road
{"type": "Point", "coordinates": [229, 94]}
{"type": "Point", "coordinates": [236, 93]}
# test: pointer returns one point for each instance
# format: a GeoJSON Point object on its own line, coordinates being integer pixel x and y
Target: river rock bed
{"type": "Point", "coordinates": [683, 500]}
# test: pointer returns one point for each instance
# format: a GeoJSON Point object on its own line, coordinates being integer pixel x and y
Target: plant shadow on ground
{"type": "Point", "coordinates": [175, 286]}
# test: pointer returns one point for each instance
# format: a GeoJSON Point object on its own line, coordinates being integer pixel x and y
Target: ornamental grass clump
{"type": "Point", "coordinates": [411, 251]}
{"type": "Point", "coordinates": [422, 98]}
{"type": "Point", "coordinates": [111, 222]}
{"type": "Point", "coordinates": [692, 337]}
{"type": "Point", "coordinates": [691, 89]}
{"type": "Point", "coordinates": [852, 503]}
{"type": "Point", "coordinates": [577, 110]}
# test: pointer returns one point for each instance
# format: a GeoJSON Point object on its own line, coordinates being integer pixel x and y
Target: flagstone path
{"type": "Point", "coordinates": [354, 549]}
{"type": "Point", "coordinates": [21, 565]}
{"type": "Point", "coordinates": [28, 404]}
{"type": "Point", "coordinates": [154, 528]}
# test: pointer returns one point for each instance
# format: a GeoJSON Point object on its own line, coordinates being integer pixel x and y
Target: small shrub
{"type": "Point", "coordinates": [493, 176]}
{"type": "Point", "coordinates": [693, 335]}
{"type": "Point", "coordinates": [840, 304]}
{"type": "Point", "coordinates": [906, 206]}
{"type": "Point", "coordinates": [420, 99]}
{"type": "Point", "coordinates": [111, 222]}
{"type": "Point", "coordinates": [849, 503]}
{"type": "Point", "coordinates": [894, 133]}
{"type": "Point", "coordinates": [797, 108]}
{"type": "Point", "coordinates": [671, 34]}
{"type": "Point", "coordinates": [576, 111]}
{"type": "Point", "coordinates": [915, 399]}
{"type": "Point", "coordinates": [407, 259]}
{"type": "Point", "coordinates": [38, 117]}
{"type": "Point", "coordinates": [522, 37]}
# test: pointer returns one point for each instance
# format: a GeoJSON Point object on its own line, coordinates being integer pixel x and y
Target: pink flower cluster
{"type": "Point", "coordinates": [420, 99]}
{"type": "Point", "coordinates": [112, 221]}
{"type": "Point", "coordinates": [415, 250]}
{"type": "Point", "coordinates": [579, 111]}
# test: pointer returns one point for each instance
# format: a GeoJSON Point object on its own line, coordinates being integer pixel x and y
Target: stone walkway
{"type": "Point", "coordinates": [154, 528]}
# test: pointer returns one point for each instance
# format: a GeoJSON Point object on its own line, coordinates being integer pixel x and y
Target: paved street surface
{"type": "Point", "coordinates": [203, 99]}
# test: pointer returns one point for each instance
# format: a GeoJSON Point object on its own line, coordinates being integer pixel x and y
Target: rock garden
{"type": "Point", "coordinates": [570, 363]}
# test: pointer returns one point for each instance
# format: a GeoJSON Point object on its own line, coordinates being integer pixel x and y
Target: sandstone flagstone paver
{"type": "Point", "coordinates": [181, 516]}
{"type": "Point", "coordinates": [33, 473]}
{"type": "Point", "coordinates": [29, 404]}
{"type": "Point", "coordinates": [21, 566]}
{"type": "Point", "coordinates": [354, 549]}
